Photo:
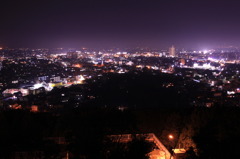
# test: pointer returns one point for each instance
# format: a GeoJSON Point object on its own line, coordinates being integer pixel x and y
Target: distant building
{"type": "Point", "coordinates": [172, 51]}
{"type": "Point", "coordinates": [15, 106]}
{"type": "Point", "coordinates": [34, 108]}
{"type": "Point", "coordinates": [43, 78]}
{"type": "Point", "coordinates": [72, 55]}
{"type": "Point", "coordinates": [56, 79]}
{"type": "Point", "coordinates": [9, 92]}
{"type": "Point", "coordinates": [43, 84]}
{"type": "Point", "coordinates": [182, 62]}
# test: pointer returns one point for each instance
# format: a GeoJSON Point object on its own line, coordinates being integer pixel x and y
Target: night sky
{"type": "Point", "coordinates": [99, 23]}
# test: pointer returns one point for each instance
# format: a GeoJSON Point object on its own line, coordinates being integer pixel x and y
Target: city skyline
{"type": "Point", "coordinates": [119, 79]}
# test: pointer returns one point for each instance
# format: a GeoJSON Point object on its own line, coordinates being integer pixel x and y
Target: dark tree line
{"type": "Point", "coordinates": [123, 104]}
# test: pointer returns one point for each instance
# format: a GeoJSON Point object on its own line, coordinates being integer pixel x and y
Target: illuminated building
{"type": "Point", "coordinates": [9, 92]}
{"type": "Point", "coordinates": [159, 152]}
{"type": "Point", "coordinates": [172, 51]}
{"type": "Point", "coordinates": [72, 55]}
{"type": "Point", "coordinates": [182, 62]}
{"type": "Point", "coordinates": [44, 85]}
{"type": "Point", "coordinates": [15, 106]}
{"type": "Point", "coordinates": [34, 108]}
{"type": "Point", "coordinates": [179, 153]}
{"type": "Point", "coordinates": [55, 84]}
{"type": "Point", "coordinates": [204, 66]}
{"type": "Point", "coordinates": [43, 78]}
{"type": "Point", "coordinates": [77, 65]}
{"type": "Point", "coordinates": [55, 79]}
{"type": "Point", "coordinates": [79, 79]}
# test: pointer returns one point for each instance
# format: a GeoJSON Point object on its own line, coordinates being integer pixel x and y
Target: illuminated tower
{"type": "Point", "coordinates": [172, 51]}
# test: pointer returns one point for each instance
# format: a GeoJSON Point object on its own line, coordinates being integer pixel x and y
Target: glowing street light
{"type": "Point", "coordinates": [170, 137]}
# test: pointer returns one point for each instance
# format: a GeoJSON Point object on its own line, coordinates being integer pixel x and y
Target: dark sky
{"type": "Point", "coordinates": [94, 23]}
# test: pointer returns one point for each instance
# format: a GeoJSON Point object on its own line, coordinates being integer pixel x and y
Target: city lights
{"type": "Point", "coordinates": [170, 137]}
{"type": "Point", "coordinates": [120, 79]}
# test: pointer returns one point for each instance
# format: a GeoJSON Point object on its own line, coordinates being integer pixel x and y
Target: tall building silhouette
{"type": "Point", "coordinates": [172, 51]}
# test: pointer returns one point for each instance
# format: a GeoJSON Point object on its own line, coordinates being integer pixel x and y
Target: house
{"type": "Point", "coordinates": [159, 151]}
{"type": "Point", "coordinates": [179, 153]}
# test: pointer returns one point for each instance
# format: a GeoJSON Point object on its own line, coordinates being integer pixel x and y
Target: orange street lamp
{"type": "Point", "coordinates": [170, 137]}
